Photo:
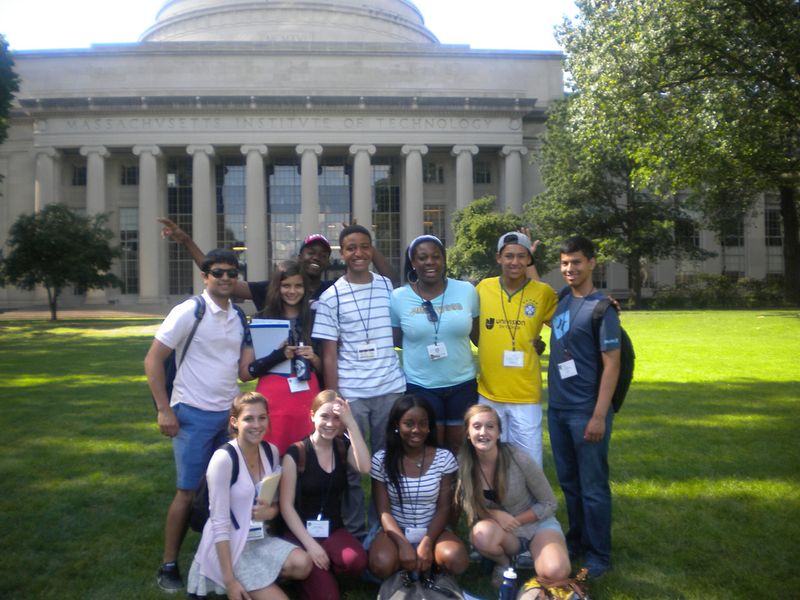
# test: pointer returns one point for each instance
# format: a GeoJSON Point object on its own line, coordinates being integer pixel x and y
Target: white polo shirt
{"type": "Point", "coordinates": [207, 378]}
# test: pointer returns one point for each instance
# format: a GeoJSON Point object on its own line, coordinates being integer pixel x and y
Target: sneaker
{"type": "Point", "coordinates": [169, 578]}
{"type": "Point", "coordinates": [595, 572]}
{"type": "Point", "coordinates": [497, 575]}
{"type": "Point", "coordinates": [525, 560]}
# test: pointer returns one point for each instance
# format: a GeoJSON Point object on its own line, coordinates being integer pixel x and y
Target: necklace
{"type": "Point", "coordinates": [415, 462]}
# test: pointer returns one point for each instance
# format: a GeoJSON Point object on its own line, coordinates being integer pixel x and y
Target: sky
{"type": "Point", "coordinates": [495, 24]}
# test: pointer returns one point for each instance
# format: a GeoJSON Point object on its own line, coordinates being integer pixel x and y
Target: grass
{"type": "Point", "coordinates": [705, 461]}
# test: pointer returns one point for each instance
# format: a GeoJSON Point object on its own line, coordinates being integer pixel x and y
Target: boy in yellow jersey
{"type": "Point", "coordinates": [513, 308]}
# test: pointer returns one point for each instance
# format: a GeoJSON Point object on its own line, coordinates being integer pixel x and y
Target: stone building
{"type": "Point", "coordinates": [255, 122]}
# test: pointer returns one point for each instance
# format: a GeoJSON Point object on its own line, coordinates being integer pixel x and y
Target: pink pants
{"type": "Point", "coordinates": [348, 558]}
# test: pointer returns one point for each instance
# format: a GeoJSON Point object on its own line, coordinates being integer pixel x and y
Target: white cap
{"type": "Point", "coordinates": [509, 573]}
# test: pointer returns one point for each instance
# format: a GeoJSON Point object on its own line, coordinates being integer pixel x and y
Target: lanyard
{"type": "Point", "coordinates": [358, 308]}
{"type": "Point", "coordinates": [406, 484]}
{"type": "Point", "coordinates": [568, 336]}
{"type": "Point", "coordinates": [437, 321]}
{"type": "Point", "coordinates": [331, 476]}
{"type": "Point", "coordinates": [512, 332]}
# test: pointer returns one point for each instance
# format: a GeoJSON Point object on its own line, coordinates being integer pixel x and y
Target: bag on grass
{"type": "Point", "coordinates": [541, 588]}
{"type": "Point", "coordinates": [404, 586]}
{"type": "Point", "coordinates": [200, 509]}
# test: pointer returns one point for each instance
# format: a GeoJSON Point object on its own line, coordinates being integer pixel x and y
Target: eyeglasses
{"type": "Point", "coordinates": [430, 311]}
{"type": "Point", "coordinates": [218, 273]}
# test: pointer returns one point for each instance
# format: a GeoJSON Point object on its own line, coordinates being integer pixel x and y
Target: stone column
{"type": "Point", "coordinates": [464, 178]}
{"type": "Point", "coordinates": [362, 183]}
{"type": "Point", "coordinates": [413, 208]}
{"type": "Point", "coordinates": [149, 244]}
{"type": "Point", "coordinates": [204, 206]}
{"type": "Point", "coordinates": [513, 177]}
{"type": "Point", "coordinates": [47, 183]}
{"type": "Point", "coordinates": [95, 198]}
{"type": "Point", "coordinates": [309, 186]}
{"type": "Point", "coordinates": [255, 232]}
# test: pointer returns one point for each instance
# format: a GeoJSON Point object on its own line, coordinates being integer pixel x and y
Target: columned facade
{"type": "Point", "coordinates": [149, 211]}
{"type": "Point", "coordinates": [256, 211]}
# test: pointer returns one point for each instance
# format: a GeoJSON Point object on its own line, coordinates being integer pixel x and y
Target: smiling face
{"type": "Point", "coordinates": [414, 427]}
{"type": "Point", "coordinates": [327, 423]}
{"type": "Point", "coordinates": [483, 431]}
{"type": "Point", "coordinates": [251, 424]}
{"type": "Point", "coordinates": [356, 253]}
{"type": "Point", "coordinates": [513, 260]}
{"type": "Point", "coordinates": [314, 259]}
{"type": "Point", "coordinates": [220, 288]}
{"type": "Point", "coordinates": [428, 261]}
{"type": "Point", "coordinates": [292, 290]}
{"type": "Point", "coordinates": [577, 271]}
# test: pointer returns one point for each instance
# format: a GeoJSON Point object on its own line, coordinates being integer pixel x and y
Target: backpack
{"type": "Point", "coordinates": [200, 509]}
{"type": "Point", "coordinates": [430, 586]}
{"type": "Point", "coordinates": [627, 357]}
{"type": "Point", "coordinates": [172, 363]}
{"type": "Point", "coordinates": [541, 588]}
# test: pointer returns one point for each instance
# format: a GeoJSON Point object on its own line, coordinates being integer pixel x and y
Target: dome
{"type": "Point", "coordinates": [381, 21]}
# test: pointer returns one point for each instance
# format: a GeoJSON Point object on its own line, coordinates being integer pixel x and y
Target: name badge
{"type": "Point", "coordinates": [256, 531]}
{"type": "Point", "coordinates": [514, 359]}
{"type": "Point", "coordinates": [318, 528]}
{"type": "Point", "coordinates": [414, 535]}
{"type": "Point", "coordinates": [567, 369]}
{"type": "Point", "coordinates": [437, 351]}
{"type": "Point", "coordinates": [367, 351]}
{"type": "Point", "coordinates": [297, 385]}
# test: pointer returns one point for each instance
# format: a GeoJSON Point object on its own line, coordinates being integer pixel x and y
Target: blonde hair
{"type": "Point", "coordinates": [469, 488]}
{"type": "Point", "coordinates": [239, 403]}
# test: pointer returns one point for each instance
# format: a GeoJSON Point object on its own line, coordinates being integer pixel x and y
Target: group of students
{"type": "Point", "coordinates": [416, 487]}
{"type": "Point", "coordinates": [419, 417]}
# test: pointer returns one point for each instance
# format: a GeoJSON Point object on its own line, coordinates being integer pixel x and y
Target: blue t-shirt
{"type": "Point", "coordinates": [571, 330]}
{"type": "Point", "coordinates": [456, 307]}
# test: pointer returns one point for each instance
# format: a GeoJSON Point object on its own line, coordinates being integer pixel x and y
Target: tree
{"type": "Point", "coordinates": [477, 228]}
{"type": "Point", "coordinates": [9, 85]}
{"type": "Point", "coordinates": [56, 248]}
{"type": "Point", "coordinates": [590, 192]}
{"type": "Point", "coordinates": [711, 90]}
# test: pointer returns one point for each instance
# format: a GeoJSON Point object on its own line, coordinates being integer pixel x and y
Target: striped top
{"type": "Point", "coordinates": [357, 314]}
{"type": "Point", "coordinates": [420, 494]}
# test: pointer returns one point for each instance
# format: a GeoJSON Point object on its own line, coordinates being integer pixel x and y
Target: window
{"type": "Point", "coordinates": [432, 172]}
{"type": "Point", "coordinates": [283, 216]}
{"type": "Point", "coordinates": [334, 198]}
{"type": "Point", "coordinates": [600, 277]}
{"type": "Point", "coordinates": [230, 179]}
{"type": "Point", "coordinates": [733, 232]}
{"type": "Point", "coordinates": [129, 175]}
{"type": "Point", "coordinates": [78, 175]}
{"type": "Point", "coordinates": [386, 210]}
{"type": "Point", "coordinates": [772, 227]}
{"type": "Point", "coordinates": [687, 234]}
{"type": "Point", "coordinates": [179, 209]}
{"type": "Point", "coordinates": [482, 172]}
{"type": "Point", "coordinates": [433, 221]}
{"type": "Point", "coordinates": [129, 245]}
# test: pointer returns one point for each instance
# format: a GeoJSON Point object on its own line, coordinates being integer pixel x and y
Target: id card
{"type": "Point", "coordinates": [567, 369]}
{"type": "Point", "coordinates": [318, 529]}
{"type": "Point", "coordinates": [414, 535]}
{"type": "Point", "coordinates": [514, 359]}
{"type": "Point", "coordinates": [367, 351]}
{"type": "Point", "coordinates": [437, 351]}
{"type": "Point", "coordinates": [297, 385]}
{"type": "Point", "coordinates": [256, 531]}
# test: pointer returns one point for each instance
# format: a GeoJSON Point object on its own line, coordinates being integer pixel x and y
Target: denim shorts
{"type": "Point", "coordinates": [201, 432]}
{"type": "Point", "coordinates": [449, 403]}
{"type": "Point", "coordinates": [527, 532]}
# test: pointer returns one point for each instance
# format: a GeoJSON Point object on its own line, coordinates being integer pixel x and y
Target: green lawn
{"type": "Point", "coordinates": [705, 461]}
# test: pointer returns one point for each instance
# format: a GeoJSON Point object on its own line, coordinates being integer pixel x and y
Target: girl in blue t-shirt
{"type": "Point", "coordinates": [432, 317]}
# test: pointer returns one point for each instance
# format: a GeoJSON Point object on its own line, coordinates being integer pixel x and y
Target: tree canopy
{"type": "Point", "coordinates": [477, 228]}
{"type": "Point", "coordinates": [56, 248]}
{"type": "Point", "coordinates": [710, 92]}
{"type": "Point", "coordinates": [9, 85]}
{"type": "Point", "coordinates": [589, 192]}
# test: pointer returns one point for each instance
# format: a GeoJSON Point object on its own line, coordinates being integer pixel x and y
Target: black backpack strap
{"type": "Point", "coordinates": [234, 474]}
{"type": "Point", "coordinates": [268, 452]}
{"type": "Point", "coordinates": [199, 312]}
{"type": "Point", "coordinates": [247, 339]}
{"type": "Point", "coordinates": [597, 319]}
{"type": "Point", "coordinates": [301, 456]}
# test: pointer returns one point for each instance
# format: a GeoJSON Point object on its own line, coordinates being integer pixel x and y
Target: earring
{"type": "Point", "coordinates": [397, 431]}
{"type": "Point", "coordinates": [413, 276]}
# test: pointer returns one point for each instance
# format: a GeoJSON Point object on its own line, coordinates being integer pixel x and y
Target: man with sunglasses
{"type": "Point", "coordinates": [513, 308]}
{"type": "Point", "coordinates": [208, 340]}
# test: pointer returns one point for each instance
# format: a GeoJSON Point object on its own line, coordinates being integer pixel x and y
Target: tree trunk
{"type": "Point", "coordinates": [791, 243]}
{"type": "Point", "coordinates": [634, 280]}
{"type": "Point", "coordinates": [52, 300]}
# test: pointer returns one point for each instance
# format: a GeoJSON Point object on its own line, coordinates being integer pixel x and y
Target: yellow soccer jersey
{"type": "Point", "coordinates": [512, 324]}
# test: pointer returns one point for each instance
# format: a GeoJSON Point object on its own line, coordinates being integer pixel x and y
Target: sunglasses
{"type": "Point", "coordinates": [218, 273]}
{"type": "Point", "coordinates": [433, 317]}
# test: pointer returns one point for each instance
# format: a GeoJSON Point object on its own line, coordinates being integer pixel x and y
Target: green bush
{"type": "Point", "coordinates": [720, 291]}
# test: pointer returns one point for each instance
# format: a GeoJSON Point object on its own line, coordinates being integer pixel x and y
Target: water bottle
{"type": "Point", "coordinates": [508, 590]}
{"type": "Point", "coordinates": [300, 365]}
